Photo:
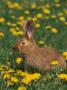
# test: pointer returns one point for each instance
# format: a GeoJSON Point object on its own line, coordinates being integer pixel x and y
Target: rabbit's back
{"type": "Point", "coordinates": [41, 58]}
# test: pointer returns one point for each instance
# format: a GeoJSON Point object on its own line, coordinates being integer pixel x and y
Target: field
{"type": "Point", "coordinates": [50, 18]}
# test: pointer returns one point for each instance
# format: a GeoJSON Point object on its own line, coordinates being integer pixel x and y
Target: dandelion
{"type": "Point", "coordinates": [41, 42]}
{"type": "Point", "coordinates": [53, 16]}
{"type": "Point", "coordinates": [54, 30]}
{"type": "Point", "coordinates": [46, 11]}
{"type": "Point", "coordinates": [19, 60]}
{"type": "Point", "coordinates": [1, 34]}
{"type": "Point", "coordinates": [9, 83]}
{"type": "Point", "coordinates": [62, 76]}
{"type": "Point", "coordinates": [62, 18]}
{"type": "Point", "coordinates": [54, 62]}
{"type": "Point", "coordinates": [39, 15]}
{"type": "Point", "coordinates": [21, 88]}
{"type": "Point", "coordinates": [2, 20]}
{"type": "Point", "coordinates": [37, 25]}
{"type": "Point", "coordinates": [33, 5]}
{"type": "Point", "coordinates": [65, 55]}
{"type": "Point", "coordinates": [31, 77]}
{"type": "Point", "coordinates": [14, 79]}
{"type": "Point", "coordinates": [8, 23]}
{"type": "Point", "coordinates": [26, 12]}
{"type": "Point", "coordinates": [48, 27]}
{"type": "Point", "coordinates": [6, 75]}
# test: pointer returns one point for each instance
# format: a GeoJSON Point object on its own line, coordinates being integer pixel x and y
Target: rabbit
{"type": "Point", "coordinates": [37, 57]}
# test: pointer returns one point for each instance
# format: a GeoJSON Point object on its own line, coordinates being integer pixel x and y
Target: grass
{"type": "Point", "coordinates": [50, 17]}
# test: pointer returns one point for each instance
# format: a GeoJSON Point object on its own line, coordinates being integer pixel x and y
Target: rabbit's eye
{"type": "Point", "coordinates": [23, 43]}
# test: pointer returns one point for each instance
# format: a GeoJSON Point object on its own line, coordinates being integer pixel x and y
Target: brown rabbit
{"type": "Point", "coordinates": [39, 58]}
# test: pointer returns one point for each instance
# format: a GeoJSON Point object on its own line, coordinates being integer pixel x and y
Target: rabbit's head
{"type": "Point", "coordinates": [27, 43]}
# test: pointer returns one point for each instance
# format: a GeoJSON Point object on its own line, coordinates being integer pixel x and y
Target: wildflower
{"type": "Point", "coordinates": [62, 76]}
{"type": "Point", "coordinates": [8, 23]}
{"type": "Point", "coordinates": [21, 73]}
{"type": "Point", "coordinates": [57, 5]}
{"type": "Point", "coordinates": [65, 11]}
{"type": "Point", "coordinates": [47, 5]}
{"type": "Point", "coordinates": [11, 71]}
{"type": "Point", "coordinates": [46, 11]}
{"type": "Point", "coordinates": [6, 75]}
{"type": "Point", "coordinates": [21, 88]}
{"type": "Point", "coordinates": [60, 14]}
{"type": "Point", "coordinates": [19, 60]}
{"type": "Point", "coordinates": [2, 20]}
{"type": "Point", "coordinates": [1, 34]}
{"type": "Point", "coordinates": [53, 16]}
{"type": "Point", "coordinates": [33, 5]}
{"type": "Point", "coordinates": [62, 18]}
{"type": "Point", "coordinates": [41, 42]}
{"type": "Point", "coordinates": [54, 30]}
{"type": "Point", "coordinates": [54, 62]}
{"type": "Point", "coordinates": [48, 27]}
{"type": "Point", "coordinates": [21, 18]}
{"type": "Point", "coordinates": [39, 15]}
{"type": "Point", "coordinates": [9, 83]}
{"type": "Point", "coordinates": [31, 77]}
{"type": "Point", "coordinates": [26, 12]}
{"type": "Point", "coordinates": [34, 19]}
{"type": "Point", "coordinates": [65, 55]}
{"type": "Point", "coordinates": [65, 23]}
{"type": "Point", "coordinates": [37, 25]}
{"type": "Point", "coordinates": [14, 79]}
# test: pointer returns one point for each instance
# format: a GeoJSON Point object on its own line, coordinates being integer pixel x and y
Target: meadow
{"type": "Point", "coordinates": [50, 17]}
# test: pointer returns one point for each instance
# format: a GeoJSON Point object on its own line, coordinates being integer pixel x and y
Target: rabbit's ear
{"type": "Point", "coordinates": [29, 29]}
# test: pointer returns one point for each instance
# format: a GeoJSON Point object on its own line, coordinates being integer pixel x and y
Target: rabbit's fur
{"type": "Point", "coordinates": [39, 58]}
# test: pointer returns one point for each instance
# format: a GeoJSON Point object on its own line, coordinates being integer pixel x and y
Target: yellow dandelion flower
{"type": "Point", "coordinates": [2, 20]}
{"type": "Point", "coordinates": [9, 23]}
{"type": "Point", "coordinates": [46, 11]}
{"type": "Point", "coordinates": [1, 68]}
{"type": "Point", "coordinates": [1, 34]}
{"type": "Point", "coordinates": [21, 18]}
{"type": "Point", "coordinates": [37, 25]}
{"type": "Point", "coordinates": [33, 5]}
{"type": "Point", "coordinates": [26, 12]}
{"type": "Point", "coordinates": [58, 5]}
{"type": "Point", "coordinates": [6, 75]}
{"type": "Point", "coordinates": [14, 24]}
{"type": "Point", "coordinates": [47, 5]}
{"type": "Point", "coordinates": [39, 15]}
{"type": "Point", "coordinates": [14, 79]}
{"type": "Point", "coordinates": [34, 19]}
{"type": "Point", "coordinates": [21, 88]}
{"type": "Point", "coordinates": [53, 16]}
{"type": "Point", "coordinates": [29, 18]}
{"type": "Point", "coordinates": [65, 53]}
{"type": "Point", "coordinates": [54, 62]}
{"type": "Point", "coordinates": [48, 27]}
{"type": "Point", "coordinates": [9, 83]}
{"type": "Point", "coordinates": [60, 14]}
{"type": "Point", "coordinates": [11, 71]}
{"type": "Point", "coordinates": [19, 60]}
{"type": "Point", "coordinates": [65, 23]}
{"type": "Point", "coordinates": [62, 76]}
{"type": "Point", "coordinates": [65, 11]}
{"type": "Point", "coordinates": [62, 18]}
{"type": "Point", "coordinates": [13, 17]}
{"type": "Point", "coordinates": [41, 42]}
{"type": "Point", "coordinates": [31, 77]}
{"type": "Point", "coordinates": [54, 30]}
